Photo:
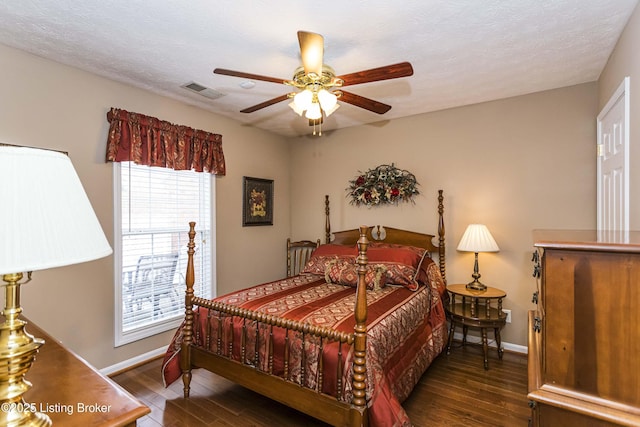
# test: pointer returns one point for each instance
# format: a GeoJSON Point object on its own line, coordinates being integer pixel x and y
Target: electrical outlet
{"type": "Point", "coordinates": [508, 313]}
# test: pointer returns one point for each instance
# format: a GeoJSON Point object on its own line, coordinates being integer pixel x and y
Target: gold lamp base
{"type": "Point", "coordinates": [476, 285]}
{"type": "Point", "coordinates": [18, 350]}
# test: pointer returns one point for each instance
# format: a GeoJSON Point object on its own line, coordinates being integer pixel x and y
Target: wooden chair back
{"type": "Point", "coordinates": [298, 254]}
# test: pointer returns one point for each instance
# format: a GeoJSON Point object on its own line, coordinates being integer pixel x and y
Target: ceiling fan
{"type": "Point", "coordinates": [319, 87]}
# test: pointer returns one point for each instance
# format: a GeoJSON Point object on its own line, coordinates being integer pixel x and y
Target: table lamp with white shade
{"type": "Point", "coordinates": [477, 238]}
{"type": "Point", "coordinates": [46, 221]}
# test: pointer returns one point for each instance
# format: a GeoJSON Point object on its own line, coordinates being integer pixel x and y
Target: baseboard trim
{"type": "Point", "coordinates": [133, 362]}
{"type": "Point", "coordinates": [516, 348]}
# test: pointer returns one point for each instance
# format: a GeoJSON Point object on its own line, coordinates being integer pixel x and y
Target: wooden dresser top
{"type": "Point", "coordinates": [591, 240]}
{"type": "Point", "coordinates": [73, 393]}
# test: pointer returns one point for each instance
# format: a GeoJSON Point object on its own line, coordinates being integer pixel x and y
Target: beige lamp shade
{"type": "Point", "coordinates": [477, 238]}
{"type": "Point", "coordinates": [46, 220]}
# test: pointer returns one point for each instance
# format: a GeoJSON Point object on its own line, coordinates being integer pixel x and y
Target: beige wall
{"type": "Point", "coordinates": [45, 104]}
{"type": "Point", "coordinates": [515, 165]}
{"type": "Point", "coordinates": [625, 61]}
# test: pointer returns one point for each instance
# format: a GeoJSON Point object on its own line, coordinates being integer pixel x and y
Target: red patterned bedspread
{"type": "Point", "coordinates": [406, 330]}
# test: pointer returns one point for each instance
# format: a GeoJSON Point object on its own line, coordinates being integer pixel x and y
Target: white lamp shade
{"type": "Point", "coordinates": [477, 238]}
{"type": "Point", "coordinates": [295, 108]}
{"type": "Point", "coordinates": [314, 112]}
{"type": "Point", "coordinates": [327, 99]}
{"type": "Point", "coordinates": [303, 99]}
{"type": "Point", "coordinates": [46, 219]}
{"type": "Point", "coordinates": [331, 111]}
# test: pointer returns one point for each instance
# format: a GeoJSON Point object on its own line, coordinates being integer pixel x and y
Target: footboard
{"type": "Point", "coordinates": [253, 349]}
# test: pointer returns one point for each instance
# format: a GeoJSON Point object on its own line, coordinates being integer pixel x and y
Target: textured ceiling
{"type": "Point", "coordinates": [462, 51]}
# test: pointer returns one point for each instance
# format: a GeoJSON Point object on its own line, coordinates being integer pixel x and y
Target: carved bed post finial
{"type": "Point", "coordinates": [327, 224]}
{"type": "Point", "coordinates": [359, 402]}
{"type": "Point", "coordinates": [441, 244]}
{"type": "Point", "coordinates": [185, 351]}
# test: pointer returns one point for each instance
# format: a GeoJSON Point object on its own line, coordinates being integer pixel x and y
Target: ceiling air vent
{"type": "Point", "coordinates": [203, 90]}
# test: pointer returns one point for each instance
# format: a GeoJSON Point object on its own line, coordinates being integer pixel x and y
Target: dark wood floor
{"type": "Point", "coordinates": [455, 392]}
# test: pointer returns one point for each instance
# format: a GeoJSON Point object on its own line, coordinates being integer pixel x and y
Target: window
{"type": "Point", "coordinates": [153, 207]}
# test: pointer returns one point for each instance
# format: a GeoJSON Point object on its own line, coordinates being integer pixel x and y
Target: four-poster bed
{"type": "Point", "coordinates": [346, 356]}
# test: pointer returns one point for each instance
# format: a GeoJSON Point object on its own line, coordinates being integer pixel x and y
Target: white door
{"type": "Point", "coordinates": [613, 162]}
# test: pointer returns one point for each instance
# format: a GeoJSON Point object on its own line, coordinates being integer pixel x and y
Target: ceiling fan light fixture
{"type": "Point", "coordinates": [327, 100]}
{"type": "Point", "coordinates": [316, 86]}
{"type": "Point", "coordinates": [314, 112]}
{"type": "Point", "coordinates": [303, 99]}
{"type": "Point", "coordinates": [295, 108]}
{"type": "Point", "coordinates": [331, 111]}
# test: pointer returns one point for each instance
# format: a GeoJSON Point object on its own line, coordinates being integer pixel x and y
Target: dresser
{"type": "Point", "coordinates": [72, 393]}
{"type": "Point", "coordinates": [584, 336]}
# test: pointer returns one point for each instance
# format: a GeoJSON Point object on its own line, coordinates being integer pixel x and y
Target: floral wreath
{"type": "Point", "coordinates": [383, 184]}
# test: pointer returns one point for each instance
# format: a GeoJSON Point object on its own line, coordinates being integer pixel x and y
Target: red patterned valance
{"type": "Point", "coordinates": [149, 141]}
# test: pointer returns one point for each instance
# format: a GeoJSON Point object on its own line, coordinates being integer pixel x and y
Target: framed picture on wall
{"type": "Point", "coordinates": [257, 201]}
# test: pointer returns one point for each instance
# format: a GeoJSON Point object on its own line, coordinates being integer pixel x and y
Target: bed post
{"type": "Point", "coordinates": [327, 224]}
{"type": "Point", "coordinates": [441, 247]}
{"type": "Point", "coordinates": [185, 349]}
{"type": "Point", "coordinates": [359, 401]}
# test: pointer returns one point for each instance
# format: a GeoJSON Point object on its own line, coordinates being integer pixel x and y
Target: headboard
{"type": "Point", "coordinates": [380, 233]}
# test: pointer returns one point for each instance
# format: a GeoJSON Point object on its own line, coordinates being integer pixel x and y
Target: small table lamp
{"type": "Point", "coordinates": [477, 238]}
{"type": "Point", "coordinates": [46, 221]}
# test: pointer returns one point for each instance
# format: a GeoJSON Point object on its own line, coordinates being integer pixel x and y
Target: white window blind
{"type": "Point", "coordinates": [154, 207]}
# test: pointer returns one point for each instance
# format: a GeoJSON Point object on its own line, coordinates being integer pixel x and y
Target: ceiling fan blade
{"type": "Point", "coordinates": [265, 104]}
{"type": "Point", "coordinates": [311, 51]}
{"type": "Point", "coordinates": [362, 102]}
{"type": "Point", "coordinates": [247, 75]}
{"type": "Point", "coordinates": [402, 69]}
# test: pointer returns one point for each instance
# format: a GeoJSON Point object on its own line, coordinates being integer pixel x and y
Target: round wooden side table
{"type": "Point", "coordinates": [478, 309]}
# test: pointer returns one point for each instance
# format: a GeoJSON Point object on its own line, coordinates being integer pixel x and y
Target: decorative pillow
{"type": "Point", "coordinates": [403, 262]}
{"type": "Point", "coordinates": [325, 253]}
{"type": "Point", "coordinates": [425, 265]}
{"type": "Point", "coordinates": [407, 255]}
{"type": "Point", "coordinates": [403, 265]}
{"type": "Point", "coordinates": [316, 265]}
{"type": "Point", "coordinates": [345, 273]}
{"type": "Point", "coordinates": [398, 274]}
